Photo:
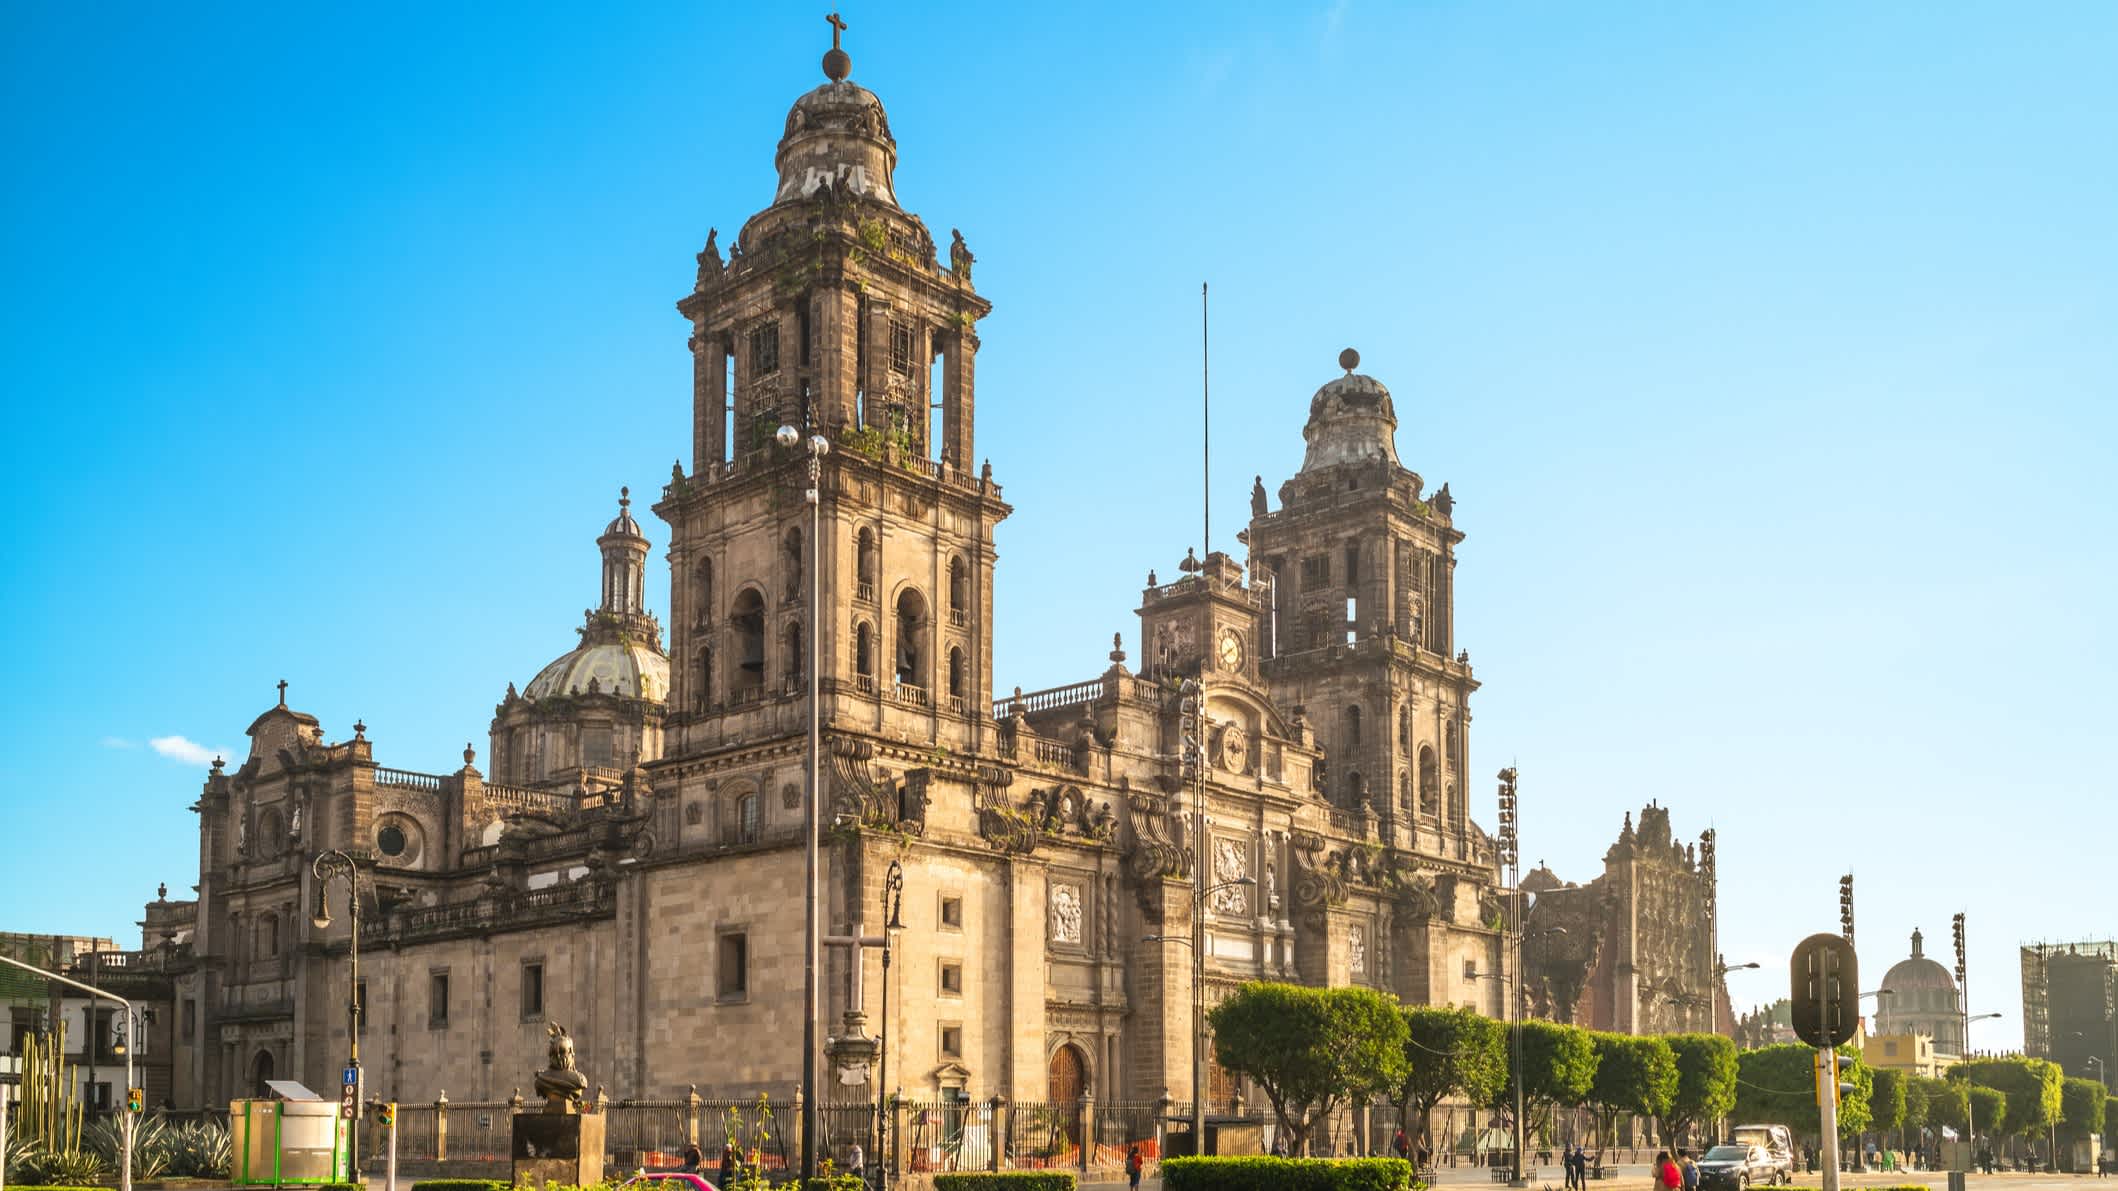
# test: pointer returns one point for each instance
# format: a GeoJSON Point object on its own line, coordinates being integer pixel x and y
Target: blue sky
{"type": "Point", "coordinates": [1767, 349]}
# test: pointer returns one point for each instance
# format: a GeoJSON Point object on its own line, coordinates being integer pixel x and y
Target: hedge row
{"type": "Point", "coordinates": [461, 1185]}
{"type": "Point", "coordinates": [1006, 1180]}
{"type": "Point", "coordinates": [1287, 1174]}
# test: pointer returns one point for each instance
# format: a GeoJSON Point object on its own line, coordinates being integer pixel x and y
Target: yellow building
{"type": "Point", "coordinates": [1913, 1054]}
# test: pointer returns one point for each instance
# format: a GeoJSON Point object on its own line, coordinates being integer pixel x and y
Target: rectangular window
{"type": "Point", "coordinates": [595, 746]}
{"type": "Point", "coordinates": [533, 989]}
{"type": "Point", "coordinates": [951, 978]}
{"type": "Point", "coordinates": [1889, 1048]}
{"type": "Point", "coordinates": [1316, 573]}
{"type": "Point", "coordinates": [901, 348]}
{"type": "Point", "coordinates": [191, 1017]}
{"type": "Point", "coordinates": [951, 913]}
{"type": "Point", "coordinates": [765, 349]}
{"type": "Point", "coordinates": [438, 1000]}
{"type": "Point", "coordinates": [360, 1001]}
{"type": "Point", "coordinates": [1470, 969]}
{"type": "Point", "coordinates": [733, 982]}
{"type": "Point", "coordinates": [1353, 563]}
{"type": "Point", "coordinates": [951, 1041]}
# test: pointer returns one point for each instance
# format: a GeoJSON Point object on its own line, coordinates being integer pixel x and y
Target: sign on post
{"type": "Point", "coordinates": [1824, 991]}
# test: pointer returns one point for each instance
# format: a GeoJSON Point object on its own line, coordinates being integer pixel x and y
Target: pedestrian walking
{"type": "Point", "coordinates": [727, 1163]}
{"type": "Point", "coordinates": [1134, 1164]}
{"type": "Point", "coordinates": [692, 1158]}
{"type": "Point", "coordinates": [1399, 1144]}
{"type": "Point", "coordinates": [1688, 1169]}
{"type": "Point", "coordinates": [1667, 1176]}
{"type": "Point", "coordinates": [857, 1162]}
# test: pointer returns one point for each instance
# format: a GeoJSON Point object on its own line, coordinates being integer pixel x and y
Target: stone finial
{"type": "Point", "coordinates": [360, 729]}
{"type": "Point", "coordinates": [837, 63]}
{"type": "Point", "coordinates": [282, 692]}
{"type": "Point", "coordinates": [1117, 648]}
{"type": "Point", "coordinates": [161, 892]}
{"type": "Point", "coordinates": [217, 765]}
{"type": "Point", "coordinates": [1349, 360]}
{"type": "Point", "coordinates": [1151, 580]}
{"type": "Point", "coordinates": [469, 754]}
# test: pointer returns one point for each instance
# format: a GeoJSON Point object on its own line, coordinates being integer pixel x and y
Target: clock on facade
{"type": "Point", "coordinates": [1231, 649]}
{"type": "Point", "coordinates": [1235, 748]}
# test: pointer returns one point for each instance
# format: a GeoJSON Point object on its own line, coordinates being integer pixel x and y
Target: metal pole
{"type": "Point", "coordinates": [1514, 990]}
{"type": "Point", "coordinates": [125, 1162]}
{"type": "Point", "coordinates": [811, 931]}
{"type": "Point", "coordinates": [1205, 446]}
{"type": "Point", "coordinates": [1827, 1099]}
{"type": "Point", "coordinates": [353, 1019]}
{"type": "Point", "coordinates": [389, 1177]}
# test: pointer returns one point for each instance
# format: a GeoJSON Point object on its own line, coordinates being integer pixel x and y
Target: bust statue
{"type": "Point", "coordinates": [560, 1084]}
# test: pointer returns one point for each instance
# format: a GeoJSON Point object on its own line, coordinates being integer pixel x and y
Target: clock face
{"type": "Point", "coordinates": [1231, 650]}
{"type": "Point", "coordinates": [1235, 748]}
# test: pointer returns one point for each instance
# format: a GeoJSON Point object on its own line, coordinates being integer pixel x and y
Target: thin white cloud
{"type": "Point", "coordinates": [118, 742]}
{"type": "Point", "coordinates": [176, 748]}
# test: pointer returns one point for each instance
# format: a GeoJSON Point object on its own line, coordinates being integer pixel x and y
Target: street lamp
{"type": "Point", "coordinates": [327, 865]}
{"type": "Point", "coordinates": [893, 904]}
{"type": "Point", "coordinates": [1970, 1105]}
{"type": "Point", "coordinates": [812, 933]}
{"type": "Point", "coordinates": [1713, 1001]}
{"type": "Point", "coordinates": [1198, 1000]}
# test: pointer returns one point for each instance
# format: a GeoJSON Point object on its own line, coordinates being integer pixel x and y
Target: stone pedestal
{"type": "Point", "coordinates": [558, 1148]}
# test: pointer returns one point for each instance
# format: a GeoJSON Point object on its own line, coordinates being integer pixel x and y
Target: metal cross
{"type": "Point", "coordinates": [838, 26]}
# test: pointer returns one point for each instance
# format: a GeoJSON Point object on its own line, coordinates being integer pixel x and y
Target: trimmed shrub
{"type": "Point", "coordinates": [461, 1185]}
{"type": "Point", "coordinates": [1006, 1180]}
{"type": "Point", "coordinates": [1287, 1174]}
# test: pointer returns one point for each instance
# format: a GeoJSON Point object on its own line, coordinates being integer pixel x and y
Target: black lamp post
{"type": "Point", "coordinates": [327, 865]}
{"type": "Point", "coordinates": [893, 904]}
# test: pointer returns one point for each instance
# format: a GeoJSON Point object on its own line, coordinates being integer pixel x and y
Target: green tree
{"type": "Point", "coordinates": [1945, 1102]}
{"type": "Point", "coordinates": [1449, 1052]}
{"type": "Point", "coordinates": [1988, 1112]}
{"type": "Point", "coordinates": [1886, 1100]}
{"type": "Point", "coordinates": [1777, 1085]}
{"type": "Point", "coordinates": [2030, 1085]}
{"type": "Point", "coordinates": [1915, 1105]}
{"type": "Point", "coordinates": [2081, 1109]}
{"type": "Point", "coordinates": [1558, 1065]}
{"type": "Point", "coordinates": [1706, 1082]}
{"type": "Point", "coordinates": [1310, 1048]}
{"type": "Point", "coordinates": [1634, 1074]}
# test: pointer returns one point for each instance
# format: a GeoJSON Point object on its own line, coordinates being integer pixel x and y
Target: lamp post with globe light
{"type": "Point", "coordinates": [817, 446]}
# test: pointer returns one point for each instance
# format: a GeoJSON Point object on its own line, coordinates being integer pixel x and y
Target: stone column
{"type": "Point", "coordinates": [1088, 1128]}
{"type": "Point", "coordinates": [999, 1127]}
{"type": "Point", "coordinates": [958, 373]}
{"type": "Point", "coordinates": [709, 400]}
{"type": "Point", "coordinates": [441, 1127]}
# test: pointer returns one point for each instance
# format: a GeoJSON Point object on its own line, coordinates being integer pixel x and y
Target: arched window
{"type": "Point", "coordinates": [746, 820]}
{"type": "Point", "coordinates": [791, 565]}
{"type": "Point", "coordinates": [959, 589]}
{"type": "Point", "coordinates": [1454, 746]}
{"type": "Point", "coordinates": [797, 657]}
{"type": "Point", "coordinates": [749, 620]}
{"type": "Point", "coordinates": [1404, 726]}
{"type": "Point", "coordinates": [1404, 790]}
{"type": "Point", "coordinates": [1456, 807]}
{"type": "Point", "coordinates": [702, 592]}
{"type": "Point", "coordinates": [271, 833]}
{"type": "Point", "coordinates": [864, 655]}
{"type": "Point", "coordinates": [267, 936]}
{"type": "Point", "coordinates": [261, 1075]}
{"type": "Point", "coordinates": [1429, 783]}
{"type": "Point", "coordinates": [1356, 789]}
{"type": "Point", "coordinates": [702, 680]}
{"type": "Point", "coordinates": [1353, 726]}
{"type": "Point", "coordinates": [911, 638]}
{"type": "Point", "coordinates": [956, 673]}
{"type": "Point", "coordinates": [864, 561]}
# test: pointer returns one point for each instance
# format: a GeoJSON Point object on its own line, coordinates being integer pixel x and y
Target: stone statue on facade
{"type": "Point", "coordinates": [561, 1085]}
{"type": "Point", "coordinates": [960, 258]}
{"type": "Point", "coordinates": [1257, 497]}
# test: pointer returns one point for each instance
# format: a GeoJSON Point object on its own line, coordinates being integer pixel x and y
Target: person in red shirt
{"type": "Point", "coordinates": [1667, 1176]}
{"type": "Point", "coordinates": [1134, 1163]}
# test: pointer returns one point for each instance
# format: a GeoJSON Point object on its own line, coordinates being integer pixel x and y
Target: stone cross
{"type": "Point", "coordinates": [282, 692]}
{"type": "Point", "coordinates": [838, 26]}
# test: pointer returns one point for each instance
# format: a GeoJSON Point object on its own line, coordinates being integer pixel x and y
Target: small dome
{"type": "Point", "coordinates": [627, 669]}
{"type": "Point", "coordinates": [838, 138]}
{"type": "Point", "coordinates": [623, 525]}
{"type": "Point", "coordinates": [1917, 971]}
{"type": "Point", "coordinates": [1351, 420]}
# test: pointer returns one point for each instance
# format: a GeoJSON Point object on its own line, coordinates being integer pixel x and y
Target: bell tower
{"type": "Point", "coordinates": [832, 314]}
{"type": "Point", "coordinates": [1358, 570]}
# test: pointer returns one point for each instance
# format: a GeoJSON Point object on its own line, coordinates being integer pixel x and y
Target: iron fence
{"type": "Point", "coordinates": [1044, 1134]}
{"type": "Point", "coordinates": [1121, 1125]}
{"type": "Point", "coordinates": [947, 1135]}
{"type": "Point", "coordinates": [648, 1126]}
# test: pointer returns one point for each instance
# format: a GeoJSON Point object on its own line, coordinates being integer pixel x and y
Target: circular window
{"type": "Point", "coordinates": [391, 840]}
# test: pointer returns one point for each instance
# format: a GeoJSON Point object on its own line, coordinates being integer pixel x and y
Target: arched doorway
{"type": "Point", "coordinates": [260, 1074]}
{"type": "Point", "coordinates": [1067, 1080]}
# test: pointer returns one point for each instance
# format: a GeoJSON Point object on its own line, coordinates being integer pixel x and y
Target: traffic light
{"type": "Point", "coordinates": [1824, 992]}
{"type": "Point", "coordinates": [386, 1114]}
{"type": "Point", "coordinates": [1835, 1081]}
{"type": "Point", "coordinates": [135, 1099]}
{"type": "Point", "coordinates": [1846, 906]}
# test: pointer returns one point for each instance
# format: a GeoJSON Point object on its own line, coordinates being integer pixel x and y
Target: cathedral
{"type": "Point", "coordinates": [629, 861]}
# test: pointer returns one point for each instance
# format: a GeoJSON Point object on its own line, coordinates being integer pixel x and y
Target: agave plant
{"type": "Point", "coordinates": [71, 1168]}
{"type": "Point", "coordinates": [151, 1144]}
{"type": "Point", "coordinates": [21, 1154]}
{"type": "Point", "coordinates": [200, 1150]}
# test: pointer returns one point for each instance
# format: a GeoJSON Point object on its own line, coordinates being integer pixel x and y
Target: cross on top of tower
{"type": "Point", "coordinates": [282, 692]}
{"type": "Point", "coordinates": [837, 64]}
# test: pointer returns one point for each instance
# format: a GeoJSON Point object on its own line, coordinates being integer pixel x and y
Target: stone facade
{"type": "Point", "coordinates": [1633, 950]}
{"type": "Point", "coordinates": [634, 870]}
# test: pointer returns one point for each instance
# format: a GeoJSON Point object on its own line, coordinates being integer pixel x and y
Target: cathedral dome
{"type": "Point", "coordinates": [1351, 420]}
{"type": "Point", "coordinates": [837, 139]}
{"type": "Point", "coordinates": [1918, 973]}
{"type": "Point", "coordinates": [626, 668]}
